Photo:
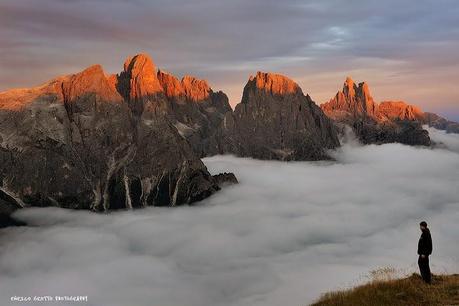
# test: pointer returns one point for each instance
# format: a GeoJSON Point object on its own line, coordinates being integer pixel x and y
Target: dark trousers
{"type": "Point", "coordinates": [424, 268]}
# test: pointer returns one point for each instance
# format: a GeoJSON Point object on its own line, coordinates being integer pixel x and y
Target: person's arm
{"type": "Point", "coordinates": [419, 246]}
{"type": "Point", "coordinates": [429, 245]}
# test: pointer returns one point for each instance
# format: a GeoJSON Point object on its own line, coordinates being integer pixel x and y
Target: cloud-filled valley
{"type": "Point", "coordinates": [287, 233]}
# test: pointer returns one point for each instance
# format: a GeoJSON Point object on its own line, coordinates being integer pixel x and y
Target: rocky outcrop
{"type": "Point", "coordinates": [195, 89]}
{"type": "Point", "coordinates": [399, 110]}
{"type": "Point", "coordinates": [225, 178]}
{"type": "Point", "coordinates": [8, 204]}
{"type": "Point", "coordinates": [194, 109]}
{"type": "Point", "coordinates": [440, 123]}
{"type": "Point", "coordinates": [354, 101]}
{"type": "Point", "coordinates": [189, 104]}
{"type": "Point", "coordinates": [275, 120]}
{"type": "Point", "coordinates": [91, 141]}
{"type": "Point", "coordinates": [386, 122]}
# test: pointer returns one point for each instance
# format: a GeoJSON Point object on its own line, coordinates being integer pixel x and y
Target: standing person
{"type": "Point", "coordinates": [424, 250]}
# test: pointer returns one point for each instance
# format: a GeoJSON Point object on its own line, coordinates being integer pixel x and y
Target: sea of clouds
{"type": "Point", "coordinates": [287, 233]}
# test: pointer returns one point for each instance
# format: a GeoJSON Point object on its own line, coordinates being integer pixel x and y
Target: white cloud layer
{"type": "Point", "coordinates": [284, 235]}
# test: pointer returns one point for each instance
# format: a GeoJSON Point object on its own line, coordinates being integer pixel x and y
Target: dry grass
{"type": "Point", "coordinates": [411, 291]}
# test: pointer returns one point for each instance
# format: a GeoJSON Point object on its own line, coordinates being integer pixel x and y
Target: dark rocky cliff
{"type": "Point", "coordinates": [275, 120]}
{"type": "Point", "coordinates": [89, 141]}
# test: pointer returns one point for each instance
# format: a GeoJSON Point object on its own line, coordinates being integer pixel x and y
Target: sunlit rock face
{"type": "Point", "coordinates": [399, 110]}
{"type": "Point", "coordinates": [275, 120]}
{"type": "Point", "coordinates": [171, 85]}
{"type": "Point", "coordinates": [140, 71]}
{"type": "Point", "coordinates": [92, 141]}
{"type": "Point", "coordinates": [194, 109]}
{"type": "Point", "coordinates": [386, 122]}
{"type": "Point", "coordinates": [195, 89]}
{"type": "Point", "coordinates": [353, 101]}
{"type": "Point", "coordinates": [189, 104]}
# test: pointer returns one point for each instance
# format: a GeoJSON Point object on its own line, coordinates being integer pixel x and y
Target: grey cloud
{"type": "Point", "coordinates": [285, 234]}
{"type": "Point", "coordinates": [221, 40]}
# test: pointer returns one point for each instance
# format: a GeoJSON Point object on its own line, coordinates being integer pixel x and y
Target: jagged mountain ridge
{"type": "Point", "coordinates": [275, 120]}
{"type": "Point", "coordinates": [189, 104]}
{"type": "Point", "coordinates": [98, 142]}
{"type": "Point", "coordinates": [385, 122]}
{"type": "Point", "coordinates": [383, 111]}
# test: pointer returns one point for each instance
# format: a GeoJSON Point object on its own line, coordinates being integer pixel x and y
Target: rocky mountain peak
{"type": "Point", "coordinates": [275, 120]}
{"type": "Point", "coordinates": [139, 80]}
{"type": "Point", "coordinates": [399, 110]}
{"type": "Point", "coordinates": [92, 80]}
{"type": "Point", "coordinates": [103, 155]}
{"type": "Point", "coordinates": [171, 85]}
{"type": "Point", "coordinates": [273, 83]}
{"type": "Point", "coordinates": [372, 123]}
{"type": "Point", "coordinates": [189, 87]}
{"type": "Point", "coordinates": [365, 90]}
{"type": "Point", "coordinates": [349, 87]}
{"type": "Point", "coordinates": [195, 89]}
{"type": "Point", "coordinates": [140, 64]}
{"type": "Point", "coordinates": [353, 100]}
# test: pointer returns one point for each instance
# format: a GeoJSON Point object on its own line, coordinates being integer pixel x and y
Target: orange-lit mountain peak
{"type": "Point", "coordinates": [195, 89]}
{"type": "Point", "coordinates": [91, 80]}
{"type": "Point", "coordinates": [170, 84]}
{"type": "Point", "coordinates": [349, 87]}
{"type": "Point", "coordinates": [274, 83]}
{"type": "Point", "coordinates": [365, 89]}
{"type": "Point", "coordinates": [139, 63]}
{"type": "Point", "coordinates": [400, 110]}
{"type": "Point", "coordinates": [18, 98]}
{"type": "Point", "coordinates": [349, 82]}
{"type": "Point", "coordinates": [140, 77]}
{"type": "Point", "coordinates": [353, 100]}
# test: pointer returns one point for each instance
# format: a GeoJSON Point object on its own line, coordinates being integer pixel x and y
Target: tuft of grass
{"type": "Point", "coordinates": [411, 291]}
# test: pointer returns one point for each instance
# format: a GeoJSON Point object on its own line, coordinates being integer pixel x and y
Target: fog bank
{"type": "Point", "coordinates": [284, 235]}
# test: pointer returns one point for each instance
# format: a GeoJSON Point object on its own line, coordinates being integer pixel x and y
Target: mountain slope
{"type": "Point", "coordinates": [275, 120]}
{"type": "Point", "coordinates": [376, 123]}
{"type": "Point", "coordinates": [98, 142]}
{"type": "Point", "coordinates": [400, 292]}
{"type": "Point", "coordinates": [189, 104]}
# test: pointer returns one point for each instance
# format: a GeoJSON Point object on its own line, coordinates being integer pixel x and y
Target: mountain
{"type": "Point", "coordinates": [92, 141]}
{"type": "Point", "coordinates": [389, 121]}
{"type": "Point", "coordinates": [95, 141]}
{"type": "Point", "coordinates": [399, 110]}
{"type": "Point", "coordinates": [354, 101]}
{"type": "Point", "coordinates": [440, 123]}
{"type": "Point", "coordinates": [189, 104]}
{"type": "Point", "coordinates": [275, 120]}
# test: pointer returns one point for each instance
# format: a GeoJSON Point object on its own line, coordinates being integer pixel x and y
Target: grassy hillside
{"type": "Point", "coordinates": [412, 291]}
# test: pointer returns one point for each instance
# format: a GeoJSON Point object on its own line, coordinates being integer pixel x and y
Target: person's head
{"type": "Point", "coordinates": [423, 225]}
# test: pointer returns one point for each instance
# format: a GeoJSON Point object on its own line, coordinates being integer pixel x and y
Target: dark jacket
{"type": "Point", "coordinates": [425, 243]}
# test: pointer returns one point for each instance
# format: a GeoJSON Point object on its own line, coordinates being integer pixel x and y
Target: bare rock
{"type": "Point", "coordinates": [195, 89]}
{"type": "Point", "coordinates": [399, 110]}
{"type": "Point", "coordinates": [440, 123]}
{"type": "Point", "coordinates": [90, 141]}
{"type": "Point", "coordinates": [353, 101]}
{"type": "Point", "coordinates": [390, 121]}
{"type": "Point", "coordinates": [226, 178]}
{"type": "Point", "coordinates": [275, 120]}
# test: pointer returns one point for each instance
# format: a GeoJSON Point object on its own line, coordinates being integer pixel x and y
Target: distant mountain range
{"type": "Point", "coordinates": [385, 122]}
{"type": "Point", "coordinates": [134, 139]}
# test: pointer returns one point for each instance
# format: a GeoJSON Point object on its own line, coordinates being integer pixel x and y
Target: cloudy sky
{"type": "Point", "coordinates": [404, 49]}
{"type": "Point", "coordinates": [287, 233]}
